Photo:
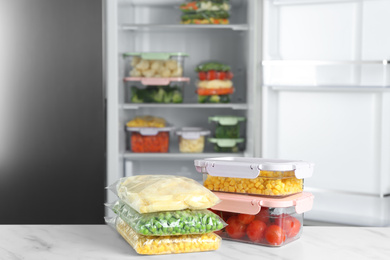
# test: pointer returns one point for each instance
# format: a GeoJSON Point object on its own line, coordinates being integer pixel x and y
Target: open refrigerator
{"type": "Point", "coordinates": [311, 78]}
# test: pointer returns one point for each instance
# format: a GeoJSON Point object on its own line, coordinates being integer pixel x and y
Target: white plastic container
{"type": "Point", "coordinates": [191, 139]}
{"type": "Point", "coordinates": [154, 64]}
{"type": "Point", "coordinates": [262, 220]}
{"type": "Point", "coordinates": [254, 175]}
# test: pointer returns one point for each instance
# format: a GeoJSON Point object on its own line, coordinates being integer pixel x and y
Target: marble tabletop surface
{"type": "Point", "coordinates": [102, 242]}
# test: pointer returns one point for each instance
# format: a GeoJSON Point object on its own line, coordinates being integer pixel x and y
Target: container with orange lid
{"type": "Point", "coordinates": [255, 176]}
{"type": "Point", "coordinates": [262, 220]}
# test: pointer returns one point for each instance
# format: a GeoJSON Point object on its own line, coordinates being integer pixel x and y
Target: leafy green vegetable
{"type": "Point", "coordinates": [212, 66]}
{"type": "Point", "coordinates": [227, 131]}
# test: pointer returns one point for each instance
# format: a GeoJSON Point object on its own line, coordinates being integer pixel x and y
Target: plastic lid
{"type": "Point", "coordinates": [227, 120]}
{"type": "Point", "coordinates": [157, 81]}
{"type": "Point", "coordinates": [248, 167]}
{"type": "Point", "coordinates": [246, 204]}
{"type": "Point", "coordinates": [155, 55]}
{"type": "Point", "coordinates": [149, 130]}
{"type": "Point", "coordinates": [226, 142]}
{"type": "Point", "coordinates": [192, 132]}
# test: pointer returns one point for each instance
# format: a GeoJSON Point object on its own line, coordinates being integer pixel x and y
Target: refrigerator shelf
{"type": "Point", "coordinates": [175, 156]}
{"type": "Point", "coordinates": [184, 27]}
{"type": "Point", "coordinates": [234, 106]}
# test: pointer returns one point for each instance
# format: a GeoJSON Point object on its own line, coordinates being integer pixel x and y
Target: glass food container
{"type": "Point", "coordinates": [205, 12]}
{"type": "Point", "coordinates": [226, 145]}
{"type": "Point", "coordinates": [262, 220]}
{"type": "Point", "coordinates": [191, 139]}
{"type": "Point", "coordinates": [173, 92]}
{"type": "Point", "coordinates": [254, 175]}
{"type": "Point", "coordinates": [227, 126]}
{"type": "Point", "coordinates": [149, 139]}
{"type": "Point", "coordinates": [154, 64]}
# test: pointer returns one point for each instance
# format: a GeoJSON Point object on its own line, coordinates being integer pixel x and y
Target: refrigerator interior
{"type": "Point", "coordinates": [326, 99]}
{"type": "Point", "coordinates": [154, 26]}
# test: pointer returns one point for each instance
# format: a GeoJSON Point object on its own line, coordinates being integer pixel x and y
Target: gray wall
{"type": "Point", "coordinates": [52, 115]}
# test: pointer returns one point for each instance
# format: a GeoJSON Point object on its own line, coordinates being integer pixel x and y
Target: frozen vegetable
{"type": "Point", "coordinates": [147, 121]}
{"type": "Point", "coordinates": [212, 66]}
{"type": "Point", "coordinates": [191, 145]}
{"type": "Point", "coordinates": [157, 245]}
{"type": "Point", "coordinates": [223, 86]}
{"type": "Point", "coordinates": [153, 193]}
{"type": "Point", "coordinates": [213, 98]}
{"type": "Point", "coordinates": [227, 131]}
{"type": "Point", "coordinates": [156, 94]}
{"type": "Point", "coordinates": [205, 5]}
{"type": "Point", "coordinates": [158, 143]}
{"type": "Point", "coordinates": [155, 68]}
{"type": "Point", "coordinates": [268, 183]}
{"type": "Point", "coordinates": [168, 223]}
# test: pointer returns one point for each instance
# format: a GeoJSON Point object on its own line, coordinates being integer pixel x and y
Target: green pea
{"type": "Point", "coordinates": [165, 229]}
{"type": "Point", "coordinates": [176, 229]}
{"type": "Point", "coordinates": [192, 229]}
{"type": "Point", "coordinates": [168, 215]}
{"type": "Point", "coordinates": [170, 229]}
{"type": "Point", "coordinates": [197, 225]}
{"type": "Point", "coordinates": [208, 227]}
{"type": "Point", "coordinates": [158, 225]}
{"type": "Point", "coordinates": [180, 225]}
{"type": "Point", "coordinates": [219, 226]}
{"type": "Point", "coordinates": [153, 230]}
{"type": "Point", "coordinates": [186, 227]}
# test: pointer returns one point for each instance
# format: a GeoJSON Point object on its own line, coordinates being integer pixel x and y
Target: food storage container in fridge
{"type": "Point", "coordinates": [262, 220]}
{"type": "Point", "coordinates": [154, 64]}
{"type": "Point", "coordinates": [271, 177]}
{"type": "Point", "coordinates": [227, 126]}
{"type": "Point", "coordinates": [226, 145]}
{"type": "Point", "coordinates": [149, 139]}
{"type": "Point", "coordinates": [137, 92]}
{"type": "Point", "coordinates": [205, 12]}
{"type": "Point", "coordinates": [191, 139]}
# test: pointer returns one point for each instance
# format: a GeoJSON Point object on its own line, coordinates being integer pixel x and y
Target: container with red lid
{"type": "Point", "coordinates": [262, 220]}
{"type": "Point", "coordinates": [257, 176]}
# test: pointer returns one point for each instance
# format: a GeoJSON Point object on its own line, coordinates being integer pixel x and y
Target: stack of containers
{"type": "Point", "coordinates": [162, 214]}
{"type": "Point", "coordinates": [227, 133]}
{"type": "Point", "coordinates": [214, 85]}
{"type": "Point", "coordinates": [148, 134]}
{"type": "Point", "coordinates": [262, 200]}
{"type": "Point", "coordinates": [205, 12]}
{"type": "Point", "coordinates": [156, 77]}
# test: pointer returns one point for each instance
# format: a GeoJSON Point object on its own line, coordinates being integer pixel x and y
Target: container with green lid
{"type": "Point", "coordinates": [226, 145]}
{"type": "Point", "coordinates": [154, 64]}
{"type": "Point", "coordinates": [227, 126]}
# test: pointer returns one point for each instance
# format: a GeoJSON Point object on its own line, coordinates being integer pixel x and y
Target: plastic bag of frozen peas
{"type": "Point", "coordinates": [168, 223]}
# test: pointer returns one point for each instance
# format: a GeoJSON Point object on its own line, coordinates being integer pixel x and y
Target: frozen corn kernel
{"type": "Point", "coordinates": [267, 183]}
{"type": "Point", "coordinates": [167, 244]}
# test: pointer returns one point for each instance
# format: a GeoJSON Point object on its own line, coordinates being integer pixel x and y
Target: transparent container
{"type": "Point", "coordinates": [154, 64]}
{"type": "Point", "coordinates": [262, 221]}
{"type": "Point", "coordinates": [226, 145]}
{"type": "Point", "coordinates": [227, 126]}
{"type": "Point", "coordinates": [205, 12]}
{"type": "Point", "coordinates": [137, 92]}
{"type": "Point", "coordinates": [255, 176]}
{"type": "Point", "coordinates": [149, 139]}
{"type": "Point", "coordinates": [221, 95]}
{"type": "Point", "coordinates": [192, 139]}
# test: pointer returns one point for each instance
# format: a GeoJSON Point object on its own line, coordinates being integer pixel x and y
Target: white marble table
{"type": "Point", "coordinates": [54, 242]}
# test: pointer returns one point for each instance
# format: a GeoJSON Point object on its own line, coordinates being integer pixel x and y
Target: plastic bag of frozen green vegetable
{"type": "Point", "coordinates": [154, 193]}
{"type": "Point", "coordinates": [168, 223]}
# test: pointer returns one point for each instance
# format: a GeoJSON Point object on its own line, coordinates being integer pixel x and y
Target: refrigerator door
{"type": "Point", "coordinates": [52, 135]}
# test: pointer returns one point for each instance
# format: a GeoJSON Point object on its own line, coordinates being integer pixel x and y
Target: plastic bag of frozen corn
{"type": "Point", "coordinates": [168, 223]}
{"type": "Point", "coordinates": [152, 245]}
{"type": "Point", "coordinates": [154, 193]}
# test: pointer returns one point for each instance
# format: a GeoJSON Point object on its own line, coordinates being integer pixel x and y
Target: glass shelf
{"type": "Point", "coordinates": [176, 156]}
{"type": "Point", "coordinates": [235, 106]}
{"type": "Point", "coordinates": [175, 27]}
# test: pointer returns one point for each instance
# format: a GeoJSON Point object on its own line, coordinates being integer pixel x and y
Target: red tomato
{"type": "Point", "coordinates": [255, 230]}
{"type": "Point", "coordinates": [245, 218]}
{"type": "Point", "coordinates": [235, 228]}
{"type": "Point", "coordinates": [202, 75]}
{"type": "Point", "coordinates": [290, 225]}
{"type": "Point", "coordinates": [263, 215]}
{"type": "Point", "coordinates": [229, 75]}
{"type": "Point", "coordinates": [221, 75]}
{"type": "Point", "coordinates": [275, 235]}
{"type": "Point", "coordinates": [211, 75]}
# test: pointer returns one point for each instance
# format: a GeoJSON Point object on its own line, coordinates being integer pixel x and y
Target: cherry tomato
{"type": "Point", "coordinates": [290, 225]}
{"type": "Point", "coordinates": [263, 215]}
{"type": "Point", "coordinates": [229, 75]}
{"type": "Point", "coordinates": [275, 235]}
{"type": "Point", "coordinates": [221, 75]}
{"type": "Point", "coordinates": [235, 228]}
{"type": "Point", "coordinates": [255, 230]}
{"type": "Point", "coordinates": [202, 75]}
{"type": "Point", "coordinates": [245, 218]}
{"type": "Point", "coordinates": [211, 75]}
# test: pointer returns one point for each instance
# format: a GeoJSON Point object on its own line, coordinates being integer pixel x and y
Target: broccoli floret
{"type": "Point", "coordinates": [159, 96]}
{"type": "Point", "coordinates": [135, 99]}
{"type": "Point", "coordinates": [168, 96]}
{"type": "Point", "coordinates": [177, 97]}
{"type": "Point", "coordinates": [214, 99]}
{"type": "Point", "coordinates": [202, 99]}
